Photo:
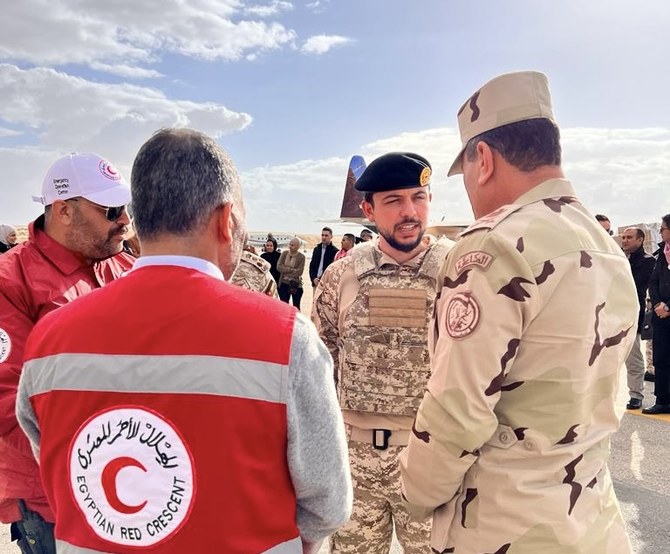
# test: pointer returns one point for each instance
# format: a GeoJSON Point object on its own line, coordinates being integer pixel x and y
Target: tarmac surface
{"type": "Point", "coordinates": [639, 466]}
{"type": "Point", "coordinates": [640, 452]}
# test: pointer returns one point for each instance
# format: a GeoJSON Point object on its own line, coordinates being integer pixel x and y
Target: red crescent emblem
{"type": "Point", "coordinates": [108, 479]}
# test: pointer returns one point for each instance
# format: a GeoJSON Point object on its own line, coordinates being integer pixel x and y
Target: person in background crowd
{"type": "Point", "coordinates": [641, 265]}
{"type": "Point", "coordinates": [535, 317]}
{"type": "Point", "coordinates": [271, 255]}
{"type": "Point", "coordinates": [348, 242]}
{"type": "Point", "coordinates": [8, 237]}
{"type": "Point", "coordinates": [322, 256]}
{"type": "Point", "coordinates": [215, 437]}
{"type": "Point", "coordinates": [366, 235]}
{"type": "Point", "coordinates": [372, 309]}
{"type": "Point", "coordinates": [605, 223]}
{"type": "Point", "coordinates": [74, 248]}
{"type": "Point", "coordinates": [659, 293]}
{"type": "Point", "coordinates": [291, 266]}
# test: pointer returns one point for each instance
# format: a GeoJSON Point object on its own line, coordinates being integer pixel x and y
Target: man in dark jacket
{"type": "Point", "coordinates": [641, 265]}
{"type": "Point", "coordinates": [322, 256]}
{"type": "Point", "coordinates": [659, 293]}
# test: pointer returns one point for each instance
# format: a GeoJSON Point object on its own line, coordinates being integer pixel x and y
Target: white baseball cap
{"type": "Point", "coordinates": [87, 175]}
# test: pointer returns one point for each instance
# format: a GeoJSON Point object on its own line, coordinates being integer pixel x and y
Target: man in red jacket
{"type": "Point", "coordinates": [73, 248]}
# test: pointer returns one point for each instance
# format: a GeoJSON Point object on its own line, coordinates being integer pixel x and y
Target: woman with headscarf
{"type": "Point", "coordinates": [659, 293]}
{"type": "Point", "coordinates": [7, 237]}
{"type": "Point", "coordinates": [271, 255]}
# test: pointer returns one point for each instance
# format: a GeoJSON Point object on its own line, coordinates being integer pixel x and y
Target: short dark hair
{"type": "Point", "coordinates": [639, 233]}
{"type": "Point", "coordinates": [526, 145]}
{"type": "Point", "coordinates": [351, 237]}
{"type": "Point", "coordinates": [327, 229]}
{"type": "Point", "coordinates": [601, 217]}
{"type": "Point", "coordinates": [666, 220]}
{"type": "Point", "coordinates": [179, 177]}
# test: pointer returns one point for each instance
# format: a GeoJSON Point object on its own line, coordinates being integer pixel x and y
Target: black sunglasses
{"type": "Point", "coordinates": [112, 213]}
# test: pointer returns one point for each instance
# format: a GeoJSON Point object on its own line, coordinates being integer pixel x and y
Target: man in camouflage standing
{"type": "Point", "coordinates": [372, 309]}
{"type": "Point", "coordinates": [535, 318]}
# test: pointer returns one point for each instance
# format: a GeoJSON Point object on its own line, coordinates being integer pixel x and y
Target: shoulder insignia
{"type": "Point", "coordinates": [476, 258]}
{"type": "Point", "coordinates": [261, 264]}
{"type": "Point", "coordinates": [463, 314]}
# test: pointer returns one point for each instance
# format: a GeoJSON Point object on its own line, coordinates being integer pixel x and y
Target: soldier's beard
{"type": "Point", "coordinates": [402, 246]}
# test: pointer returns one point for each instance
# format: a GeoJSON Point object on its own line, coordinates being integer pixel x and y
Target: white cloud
{"type": "Point", "coordinates": [129, 71]}
{"type": "Point", "coordinates": [620, 172]}
{"type": "Point", "coordinates": [273, 8]}
{"type": "Point", "coordinates": [128, 32]}
{"type": "Point", "coordinates": [67, 110]}
{"type": "Point", "coordinates": [317, 6]}
{"type": "Point", "coordinates": [320, 44]}
{"type": "Point", "coordinates": [62, 113]}
{"type": "Point", "coordinates": [4, 132]}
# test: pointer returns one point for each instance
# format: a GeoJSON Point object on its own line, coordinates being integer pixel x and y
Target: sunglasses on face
{"type": "Point", "coordinates": [112, 213]}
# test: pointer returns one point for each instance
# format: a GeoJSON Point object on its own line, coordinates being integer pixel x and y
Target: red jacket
{"type": "Point", "coordinates": [36, 277]}
{"type": "Point", "coordinates": [173, 439]}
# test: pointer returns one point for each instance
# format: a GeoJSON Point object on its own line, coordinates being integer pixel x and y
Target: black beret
{"type": "Point", "coordinates": [395, 170]}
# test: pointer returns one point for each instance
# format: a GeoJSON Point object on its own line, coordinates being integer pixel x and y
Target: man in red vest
{"type": "Point", "coordinates": [181, 432]}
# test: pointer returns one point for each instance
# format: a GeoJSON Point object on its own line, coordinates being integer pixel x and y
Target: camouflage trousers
{"type": "Point", "coordinates": [378, 506]}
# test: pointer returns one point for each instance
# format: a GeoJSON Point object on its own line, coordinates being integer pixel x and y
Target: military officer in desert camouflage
{"type": "Point", "coordinates": [536, 314]}
{"type": "Point", "coordinates": [372, 309]}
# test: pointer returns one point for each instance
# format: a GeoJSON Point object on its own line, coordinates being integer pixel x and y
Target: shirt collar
{"type": "Point", "coordinates": [412, 262]}
{"type": "Point", "coordinates": [63, 258]}
{"type": "Point", "coordinates": [191, 262]}
{"type": "Point", "coordinates": [552, 188]}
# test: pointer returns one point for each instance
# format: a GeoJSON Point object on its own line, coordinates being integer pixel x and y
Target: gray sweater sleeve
{"type": "Point", "coordinates": [25, 414]}
{"type": "Point", "coordinates": [317, 448]}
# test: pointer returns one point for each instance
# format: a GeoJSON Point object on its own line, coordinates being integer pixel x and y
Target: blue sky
{"type": "Point", "coordinates": [293, 89]}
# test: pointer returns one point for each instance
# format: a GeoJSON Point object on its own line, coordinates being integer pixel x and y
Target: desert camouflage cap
{"type": "Point", "coordinates": [506, 99]}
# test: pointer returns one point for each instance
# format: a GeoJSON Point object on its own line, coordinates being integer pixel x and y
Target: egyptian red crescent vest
{"type": "Point", "coordinates": [163, 428]}
{"type": "Point", "coordinates": [384, 363]}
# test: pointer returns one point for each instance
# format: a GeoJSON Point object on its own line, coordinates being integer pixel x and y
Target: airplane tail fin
{"type": "Point", "coordinates": [352, 198]}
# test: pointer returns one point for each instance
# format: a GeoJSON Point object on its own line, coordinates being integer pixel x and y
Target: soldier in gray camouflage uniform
{"type": "Point", "coordinates": [372, 309]}
{"type": "Point", "coordinates": [535, 318]}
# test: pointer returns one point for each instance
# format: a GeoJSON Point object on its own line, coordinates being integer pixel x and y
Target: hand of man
{"type": "Point", "coordinates": [660, 310]}
{"type": "Point", "coordinates": [315, 282]}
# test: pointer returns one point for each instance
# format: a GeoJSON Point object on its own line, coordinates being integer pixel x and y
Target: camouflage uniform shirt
{"type": "Point", "coordinates": [535, 318]}
{"type": "Point", "coordinates": [253, 273]}
{"type": "Point", "coordinates": [334, 298]}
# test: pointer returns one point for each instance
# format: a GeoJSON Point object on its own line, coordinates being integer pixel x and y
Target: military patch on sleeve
{"type": "Point", "coordinates": [462, 315]}
{"type": "Point", "coordinates": [5, 345]}
{"type": "Point", "coordinates": [477, 258]}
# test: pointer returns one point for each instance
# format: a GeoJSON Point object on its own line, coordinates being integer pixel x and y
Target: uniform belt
{"type": "Point", "coordinates": [380, 439]}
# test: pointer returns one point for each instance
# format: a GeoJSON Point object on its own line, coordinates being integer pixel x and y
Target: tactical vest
{"type": "Point", "coordinates": [384, 364]}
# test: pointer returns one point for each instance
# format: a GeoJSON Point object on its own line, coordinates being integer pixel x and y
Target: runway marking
{"type": "Point", "coordinates": [636, 455]}
{"type": "Point", "coordinates": [658, 417]}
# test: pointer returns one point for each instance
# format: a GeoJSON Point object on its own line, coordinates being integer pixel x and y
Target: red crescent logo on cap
{"type": "Point", "coordinates": [109, 171]}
